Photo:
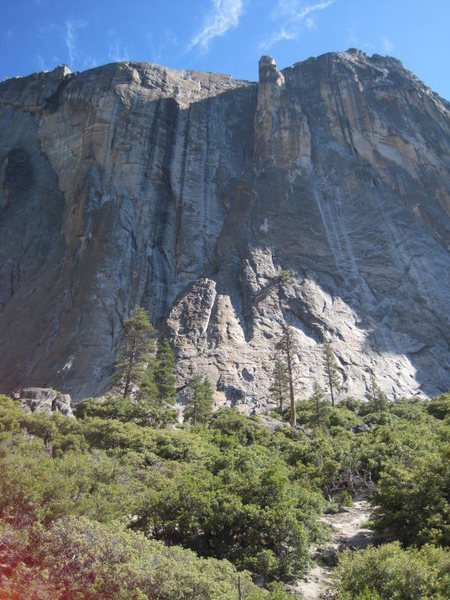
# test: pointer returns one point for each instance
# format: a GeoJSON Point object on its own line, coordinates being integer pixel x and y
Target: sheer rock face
{"type": "Point", "coordinates": [189, 193]}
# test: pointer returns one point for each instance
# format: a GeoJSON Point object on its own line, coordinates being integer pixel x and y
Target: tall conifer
{"type": "Point", "coordinates": [331, 370]}
{"type": "Point", "coordinates": [164, 374]}
{"type": "Point", "coordinates": [137, 345]}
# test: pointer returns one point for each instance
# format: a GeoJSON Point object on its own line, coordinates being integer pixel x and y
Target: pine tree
{"type": "Point", "coordinates": [157, 393]}
{"type": "Point", "coordinates": [200, 403]}
{"type": "Point", "coordinates": [285, 277]}
{"type": "Point", "coordinates": [148, 390]}
{"type": "Point", "coordinates": [287, 346]}
{"type": "Point", "coordinates": [147, 398]}
{"type": "Point", "coordinates": [279, 389]}
{"type": "Point", "coordinates": [137, 345]}
{"type": "Point", "coordinates": [331, 370]}
{"type": "Point", "coordinates": [377, 397]}
{"type": "Point", "coordinates": [317, 399]}
{"type": "Point", "coordinates": [164, 374]}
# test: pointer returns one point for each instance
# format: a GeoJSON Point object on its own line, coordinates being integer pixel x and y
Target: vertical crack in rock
{"type": "Point", "coordinates": [190, 193]}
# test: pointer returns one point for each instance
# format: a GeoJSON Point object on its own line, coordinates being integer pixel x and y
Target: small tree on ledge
{"type": "Point", "coordinates": [284, 277]}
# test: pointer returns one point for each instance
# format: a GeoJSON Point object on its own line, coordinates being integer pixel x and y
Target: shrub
{"type": "Point", "coordinates": [391, 573]}
{"type": "Point", "coordinates": [440, 407]}
{"type": "Point", "coordinates": [413, 501]}
{"type": "Point", "coordinates": [78, 558]}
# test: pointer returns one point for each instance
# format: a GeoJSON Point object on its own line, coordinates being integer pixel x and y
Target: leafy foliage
{"type": "Point", "coordinates": [164, 374]}
{"type": "Point", "coordinates": [377, 400]}
{"type": "Point", "coordinates": [200, 403]}
{"type": "Point", "coordinates": [244, 509]}
{"type": "Point", "coordinates": [288, 348]}
{"type": "Point", "coordinates": [391, 573]}
{"type": "Point", "coordinates": [80, 558]}
{"type": "Point", "coordinates": [318, 400]}
{"type": "Point", "coordinates": [331, 370]}
{"type": "Point", "coordinates": [222, 491]}
{"type": "Point", "coordinates": [440, 407]}
{"type": "Point", "coordinates": [35, 487]}
{"type": "Point", "coordinates": [279, 390]}
{"type": "Point", "coordinates": [144, 410]}
{"type": "Point", "coordinates": [229, 490]}
{"type": "Point", "coordinates": [413, 500]}
{"type": "Point", "coordinates": [285, 277]}
{"type": "Point", "coordinates": [136, 350]}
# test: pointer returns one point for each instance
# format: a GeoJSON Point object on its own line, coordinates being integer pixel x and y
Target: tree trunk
{"type": "Point", "coordinates": [291, 393]}
{"type": "Point", "coordinates": [288, 350]}
{"type": "Point", "coordinates": [129, 374]}
{"type": "Point", "coordinates": [331, 386]}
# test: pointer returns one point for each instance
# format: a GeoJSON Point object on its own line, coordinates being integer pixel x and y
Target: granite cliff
{"type": "Point", "coordinates": [189, 193]}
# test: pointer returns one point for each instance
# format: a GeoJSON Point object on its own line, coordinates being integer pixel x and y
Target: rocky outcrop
{"type": "Point", "coordinates": [189, 193]}
{"type": "Point", "coordinates": [44, 400]}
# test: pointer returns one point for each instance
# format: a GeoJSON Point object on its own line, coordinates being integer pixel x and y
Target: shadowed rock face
{"type": "Point", "coordinates": [188, 193]}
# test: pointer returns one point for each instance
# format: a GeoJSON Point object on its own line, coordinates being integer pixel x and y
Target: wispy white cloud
{"type": "Point", "coordinates": [296, 9]}
{"type": "Point", "coordinates": [70, 40]}
{"type": "Point", "coordinates": [313, 8]}
{"type": "Point", "coordinates": [275, 37]}
{"type": "Point", "coordinates": [387, 45]}
{"type": "Point", "coordinates": [117, 52]}
{"type": "Point", "coordinates": [294, 15]}
{"type": "Point", "coordinates": [225, 15]}
{"type": "Point", "coordinates": [70, 37]}
{"type": "Point", "coordinates": [158, 44]}
{"type": "Point", "coordinates": [90, 62]}
{"type": "Point", "coordinates": [354, 41]}
{"type": "Point", "coordinates": [41, 62]}
{"type": "Point", "coordinates": [352, 38]}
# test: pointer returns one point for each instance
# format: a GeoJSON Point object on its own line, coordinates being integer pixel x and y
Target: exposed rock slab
{"type": "Point", "coordinates": [44, 400]}
{"type": "Point", "coordinates": [189, 193]}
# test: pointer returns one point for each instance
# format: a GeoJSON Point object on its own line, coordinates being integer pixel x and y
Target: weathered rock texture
{"type": "Point", "coordinates": [44, 400]}
{"type": "Point", "coordinates": [188, 193]}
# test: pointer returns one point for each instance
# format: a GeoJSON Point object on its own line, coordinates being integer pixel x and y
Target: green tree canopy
{"type": "Point", "coordinates": [200, 402]}
{"type": "Point", "coordinates": [377, 400]}
{"type": "Point", "coordinates": [318, 400]}
{"type": "Point", "coordinates": [390, 572]}
{"type": "Point", "coordinates": [279, 390]}
{"type": "Point", "coordinates": [331, 370]}
{"type": "Point", "coordinates": [288, 347]}
{"type": "Point", "coordinates": [137, 345]}
{"type": "Point", "coordinates": [164, 374]}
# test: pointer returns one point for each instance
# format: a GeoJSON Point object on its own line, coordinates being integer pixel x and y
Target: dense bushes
{"type": "Point", "coordinates": [215, 490]}
{"type": "Point", "coordinates": [392, 573]}
{"type": "Point", "coordinates": [413, 500]}
{"type": "Point", "coordinates": [231, 490]}
{"type": "Point", "coordinates": [243, 507]}
{"type": "Point", "coordinates": [80, 558]}
{"type": "Point", "coordinates": [34, 487]}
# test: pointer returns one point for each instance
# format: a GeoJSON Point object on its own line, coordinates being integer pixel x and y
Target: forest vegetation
{"type": "Point", "coordinates": [126, 502]}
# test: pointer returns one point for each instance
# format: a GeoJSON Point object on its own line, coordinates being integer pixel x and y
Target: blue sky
{"type": "Point", "coordinates": [226, 36]}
